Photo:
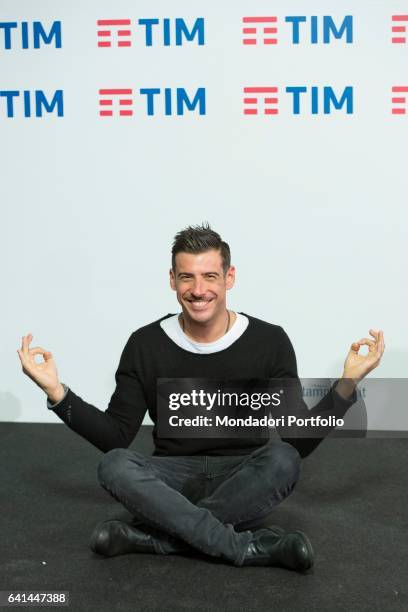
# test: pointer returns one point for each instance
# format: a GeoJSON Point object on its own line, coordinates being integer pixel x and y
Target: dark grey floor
{"type": "Point", "coordinates": [352, 500]}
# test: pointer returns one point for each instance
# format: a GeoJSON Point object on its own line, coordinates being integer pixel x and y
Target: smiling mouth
{"type": "Point", "coordinates": [199, 304]}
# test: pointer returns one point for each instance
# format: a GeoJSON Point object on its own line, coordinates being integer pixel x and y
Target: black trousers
{"type": "Point", "coordinates": [204, 502]}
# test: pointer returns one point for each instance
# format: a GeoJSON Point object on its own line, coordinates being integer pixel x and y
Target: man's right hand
{"type": "Point", "coordinates": [44, 374]}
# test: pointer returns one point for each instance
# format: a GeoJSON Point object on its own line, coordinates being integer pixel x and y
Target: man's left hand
{"type": "Point", "coordinates": [357, 366]}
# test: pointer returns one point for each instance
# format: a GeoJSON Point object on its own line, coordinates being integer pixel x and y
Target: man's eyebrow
{"type": "Point", "coordinates": [190, 274]}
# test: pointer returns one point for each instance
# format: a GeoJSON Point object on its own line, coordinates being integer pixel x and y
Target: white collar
{"type": "Point", "coordinates": [173, 329]}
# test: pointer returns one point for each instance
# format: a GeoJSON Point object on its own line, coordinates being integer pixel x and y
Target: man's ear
{"type": "Point", "coordinates": [172, 279]}
{"type": "Point", "coordinates": [230, 277]}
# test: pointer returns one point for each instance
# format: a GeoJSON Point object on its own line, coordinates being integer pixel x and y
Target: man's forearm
{"type": "Point", "coordinates": [103, 430]}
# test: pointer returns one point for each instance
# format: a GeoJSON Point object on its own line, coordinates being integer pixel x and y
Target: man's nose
{"type": "Point", "coordinates": [198, 289]}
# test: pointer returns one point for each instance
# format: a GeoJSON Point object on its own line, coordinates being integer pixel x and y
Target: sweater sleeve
{"type": "Point", "coordinates": [331, 404]}
{"type": "Point", "coordinates": [117, 426]}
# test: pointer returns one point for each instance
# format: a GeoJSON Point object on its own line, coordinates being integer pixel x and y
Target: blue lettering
{"type": "Point", "coordinates": [166, 32]}
{"type": "Point", "coordinates": [181, 29]}
{"type": "Point", "coordinates": [313, 29]}
{"type": "Point", "coordinates": [24, 34]}
{"type": "Point", "coordinates": [7, 26]}
{"type": "Point", "coordinates": [41, 101]}
{"type": "Point", "coordinates": [150, 100]}
{"type": "Point", "coordinates": [182, 99]}
{"type": "Point", "coordinates": [330, 98]}
{"type": "Point", "coordinates": [315, 100]}
{"type": "Point", "coordinates": [329, 27]}
{"type": "Point", "coordinates": [148, 23]}
{"type": "Point", "coordinates": [9, 95]}
{"type": "Point", "coordinates": [27, 104]}
{"type": "Point", "coordinates": [39, 33]}
{"type": "Point", "coordinates": [295, 21]}
{"type": "Point", "coordinates": [167, 100]}
{"type": "Point", "coordinates": [296, 91]}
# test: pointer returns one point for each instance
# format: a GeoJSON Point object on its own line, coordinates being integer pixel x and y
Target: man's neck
{"type": "Point", "coordinates": [209, 331]}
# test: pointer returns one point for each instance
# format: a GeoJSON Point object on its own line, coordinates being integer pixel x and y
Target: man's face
{"type": "Point", "coordinates": [200, 284]}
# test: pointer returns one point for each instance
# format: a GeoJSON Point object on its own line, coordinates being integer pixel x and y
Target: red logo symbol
{"type": "Point", "coordinates": [399, 29]}
{"type": "Point", "coordinates": [252, 103]}
{"type": "Point", "coordinates": [399, 110]}
{"type": "Point", "coordinates": [121, 96]}
{"type": "Point", "coordinates": [108, 27]}
{"type": "Point", "coordinates": [251, 32]}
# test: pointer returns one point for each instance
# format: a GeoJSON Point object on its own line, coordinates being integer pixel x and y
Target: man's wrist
{"type": "Point", "coordinates": [55, 395]}
{"type": "Point", "coordinates": [346, 387]}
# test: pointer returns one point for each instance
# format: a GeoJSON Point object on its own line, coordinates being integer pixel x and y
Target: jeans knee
{"type": "Point", "coordinates": [111, 465]}
{"type": "Point", "coordinates": [290, 461]}
{"type": "Point", "coordinates": [284, 461]}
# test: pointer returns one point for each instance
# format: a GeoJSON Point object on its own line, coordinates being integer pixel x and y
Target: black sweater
{"type": "Point", "coordinates": [262, 351]}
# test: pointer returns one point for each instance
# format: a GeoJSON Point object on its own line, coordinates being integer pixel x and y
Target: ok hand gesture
{"type": "Point", "coordinates": [357, 366]}
{"type": "Point", "coordinates": [44, 374]}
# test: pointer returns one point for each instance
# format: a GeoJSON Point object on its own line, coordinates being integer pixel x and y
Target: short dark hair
{"type": "Point", "coordinates": [198, 239]}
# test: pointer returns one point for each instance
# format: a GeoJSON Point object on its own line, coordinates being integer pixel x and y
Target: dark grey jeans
{"type": "Point", "coordinates": [204, 502]}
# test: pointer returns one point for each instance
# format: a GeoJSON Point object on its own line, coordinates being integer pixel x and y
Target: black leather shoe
{"type": "Point", "coordinates": [113, 537]}
{"type": "Point", "coordinates": [275, 546]}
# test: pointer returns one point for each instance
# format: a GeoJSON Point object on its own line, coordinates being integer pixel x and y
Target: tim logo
{"type": "Point", "coordinates": [260, 30]}
{"type": "Point", "coordinates": [299, 100]}
{"type": "Point", "coordinates": [115, 100]}
{"type": "Point", "coordinates": [29, 35]}
{"type": "Point", "coordinates": [151, 101]}
{"type": "Point", "coordinates": [114, 32]}
{"type": "Point", "coordinates": [296, 29]}
{"type": "Point", "coordinates": [149, 32]}
{"type": "Point", "coordinates": [260, 100]}
{"type": "Point", "coordinates": [399, 29]}
{"type": "Point", "coordinates": [399, 100]}
{"type": "Point", "coordinates": [28, 103]}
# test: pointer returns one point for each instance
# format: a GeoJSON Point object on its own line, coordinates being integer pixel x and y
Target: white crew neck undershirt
{"type": "Point", "coordinates": [174, 330]}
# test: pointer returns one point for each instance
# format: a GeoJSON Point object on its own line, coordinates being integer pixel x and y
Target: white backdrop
{"type": "Point", "coordinates": [313, 206]}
